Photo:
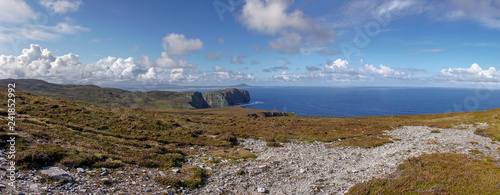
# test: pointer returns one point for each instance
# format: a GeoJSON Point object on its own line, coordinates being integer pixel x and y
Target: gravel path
{"type": "Point", "coordinates": [314, 168]}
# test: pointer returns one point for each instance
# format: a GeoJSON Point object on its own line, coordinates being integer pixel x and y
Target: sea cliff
{"type": "Point", "coordinates": [226, 97]}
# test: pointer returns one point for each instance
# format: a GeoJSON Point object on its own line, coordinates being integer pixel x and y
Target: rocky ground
{"type": "Point", "coordinates": [295, 168]}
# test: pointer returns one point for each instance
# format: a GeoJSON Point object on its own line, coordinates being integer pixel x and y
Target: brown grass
{"type": "Point", "coordinates": [438, 174]}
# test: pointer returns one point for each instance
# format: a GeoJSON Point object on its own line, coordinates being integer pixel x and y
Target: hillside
{"type": "Point", "coordinates": [152, 100]}
{"type": "Point", "coordinates": [186, 148]}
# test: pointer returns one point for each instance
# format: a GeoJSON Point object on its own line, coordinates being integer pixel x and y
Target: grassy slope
{"type": "Point", "coordinates": [94, 135]}
{"type": "Point", "coordinates": [154, 100]}
{"type": "Point", "coordinates": [438, 174]}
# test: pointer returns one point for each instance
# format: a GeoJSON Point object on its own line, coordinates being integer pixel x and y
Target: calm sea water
{"type": "Point", "coordinates": [352, 102]}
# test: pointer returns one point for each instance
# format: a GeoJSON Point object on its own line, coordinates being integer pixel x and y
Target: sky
{"type": "Point", "coordinates": [416, 43]}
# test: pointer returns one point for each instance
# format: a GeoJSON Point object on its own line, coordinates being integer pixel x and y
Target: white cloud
{"type": "Point", "coordinates": [177, 44]}
{"type": "Point", "coordinates": [382, 72]}
{"type": "Point", "coordinates": [15, 11]}
{"type": "Point", "coordinates": [294, 29]}
{"type": "Point", "coordinates": [473, 74]}
{"type": "Point", "coordinates": [236, 60]}
{"type": "Point", "coordinates": [219, 69]}
{"type": "Point", "coordinates": [394, 6]}
{"type": "Point", "coordinates": [486, 12]}
{"type": "Point", "coordinates": [164, 61]}
{"type": "Point", "coordinates": [270, 17]}
{"type": "Point", "coordinates": [61, 6]}
{"type": "Point", "coordinates": [337, 66]}
{"type": "Point", "coordinates": [38, 63]}
{"type": "Point", "coordinates": [341, 71]}
{"type": "Point", "coordinates": [65, 28]}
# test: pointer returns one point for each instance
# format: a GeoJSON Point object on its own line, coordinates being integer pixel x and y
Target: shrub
{"type": "Point", "coordinates": [41, 156]}
{"type": "Point", "coordinates": [273, 144]}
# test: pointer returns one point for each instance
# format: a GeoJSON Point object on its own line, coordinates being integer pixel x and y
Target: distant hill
{"type": "Point", "coordinates": [151, 100]}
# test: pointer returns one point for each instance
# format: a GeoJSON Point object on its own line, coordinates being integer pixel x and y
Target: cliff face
{"type": "Point", "coordinates": [226, 97]}
{"type": "Point", "coordinates": [197, 101]}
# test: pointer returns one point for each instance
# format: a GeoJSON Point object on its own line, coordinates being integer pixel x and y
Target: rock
{"type": "Point", "coordinates": [161, 173]}
{"type": "Point", "coordinates": [56, 173]}
{"type": "Point", "coordinates": [2, 186]}
{"type": "Point", "coordinates": [34, 187]}
{"type": "Point", "coordinates": [80, 170]}
{"type": "Point", "coordinates": [261, 190]}
{"type": "Point", "coordinates": [176, 170]}
{"type": "Point", "coordinates": [302, 170]}
{"type": "Point", "coordinates": [226, 97]}
{"type": "Point", "coordinates": [355, 171]}
{"type": "Point", "coordinates": [21, 176]}
{"type": "Point", "coordinates": [211, 158]}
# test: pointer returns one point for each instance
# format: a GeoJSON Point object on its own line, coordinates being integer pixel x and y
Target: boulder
{"type": "Point", "coordinates": [56, 173]}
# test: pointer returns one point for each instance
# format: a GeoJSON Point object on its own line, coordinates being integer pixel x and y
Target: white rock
{"type": "Point", "coordinates": [80, 170]}
{"type": "Point", "coordinates": [34, 187]}
{"type": "Point", "coordinates": [176, 170]}
{"type": "Point", "coordinates": [261, 190]}
{"type": "Point", "coordinates": [302, 170]}
{"type": "Point", "coordinates": [55, 173]}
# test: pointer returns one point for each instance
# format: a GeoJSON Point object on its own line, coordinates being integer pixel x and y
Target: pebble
{"type": "Point", "coordinates": [176, 170]}
{"type": "Point", "coordinates": [261, 190]}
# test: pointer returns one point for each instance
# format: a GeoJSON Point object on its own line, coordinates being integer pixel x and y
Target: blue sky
{"type": "Point", "coordinates": [259, 42]}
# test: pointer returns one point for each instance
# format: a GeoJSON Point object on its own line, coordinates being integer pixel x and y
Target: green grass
{"type": "Point", "coordinates": [438, 174]}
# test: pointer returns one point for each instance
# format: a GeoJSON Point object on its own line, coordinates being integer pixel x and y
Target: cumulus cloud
{"type": "Point", "coordinates": [177, 44]}
{"type": "Point", "coordinates": [61, 6]}
{"type": "Point", "coordinates": [236, 60]}
{"type": "Point", "coordinates": [294, 29]}
{"type": "Point", "coordinates": [382, 72]}
{"type": "Point", "coordinates": [164, 61]}
{"type": "Point", "coordinates": [214, 55]}
{"type": "Point", "coordinates": [341, 71]}
{"type": "Point", "coordinates": [36, 62]}
{"type": "Point", "coordinates": [473, 74]}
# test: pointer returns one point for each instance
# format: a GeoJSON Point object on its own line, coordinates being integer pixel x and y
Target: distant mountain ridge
{"type": "Point", "coordinates": [151, 100]}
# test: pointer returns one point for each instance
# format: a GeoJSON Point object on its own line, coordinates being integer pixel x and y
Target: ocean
{"type": "Point", "coordinates": [371, 101]}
